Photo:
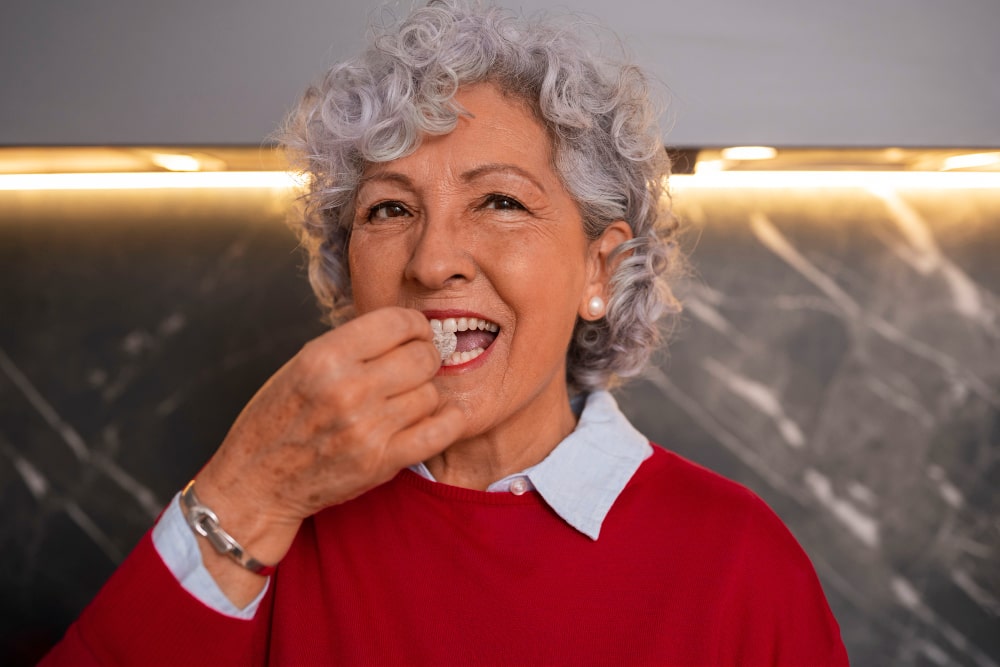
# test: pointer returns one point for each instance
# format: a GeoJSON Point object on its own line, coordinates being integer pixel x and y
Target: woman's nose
{"type": "Point", "coordinates": [441, 255]}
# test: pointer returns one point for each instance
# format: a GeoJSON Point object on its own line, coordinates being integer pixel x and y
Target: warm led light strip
{"type": "Point", "coordinates": [149, 180]}
{"type": "Point", "coordinates": [720, 179]}
{"type": "Point", "coordinates": [901, 180]}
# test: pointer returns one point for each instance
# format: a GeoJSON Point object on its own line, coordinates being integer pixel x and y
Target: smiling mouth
{"type": "Point", "coordinates": [472, 335]}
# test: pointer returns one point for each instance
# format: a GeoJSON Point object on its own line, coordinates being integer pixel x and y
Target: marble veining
{"type": "Point", "coordinates": [842, 358]}
{"type": "Point", "coordinates": [839, 353]}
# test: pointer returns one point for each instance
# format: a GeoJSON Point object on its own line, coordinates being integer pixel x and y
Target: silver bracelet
{"type": "Point", "coordinates": [204, 522]}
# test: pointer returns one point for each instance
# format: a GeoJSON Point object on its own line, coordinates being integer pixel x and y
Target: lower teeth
{"type": "Point", "coordinates": [457, 358]}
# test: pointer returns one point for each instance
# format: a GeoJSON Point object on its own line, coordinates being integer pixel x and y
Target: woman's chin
{"type": "Point", "coordinates": [467, 385]}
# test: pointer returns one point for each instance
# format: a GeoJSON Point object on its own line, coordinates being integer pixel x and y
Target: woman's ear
{"type": "Point", "coordinates": [600, 267]}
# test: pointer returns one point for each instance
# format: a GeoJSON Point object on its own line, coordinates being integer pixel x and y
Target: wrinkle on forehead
{"type": "Point", "coordinates": [520, 122]}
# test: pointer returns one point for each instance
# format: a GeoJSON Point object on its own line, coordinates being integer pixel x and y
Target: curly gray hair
{"type": "Point", "coordinates": [598, 113]}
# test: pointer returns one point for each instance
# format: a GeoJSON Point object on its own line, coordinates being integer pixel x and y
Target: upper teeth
{"type": "Point", "coordinates": [453, 324]}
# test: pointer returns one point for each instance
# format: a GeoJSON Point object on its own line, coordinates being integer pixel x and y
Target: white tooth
{"type": "Point", "coordinates": [436, 326]}
{"type": "Point", "coordinates": [494, 327]}
{"type": "Point", "coordinates": [463, 324]}
{"type": "Point", "coordinates": [449, 325]}
{"type": "Point", "coordinates": [473, 323]}
{"type": "Point", "coordinates": [458, 358]}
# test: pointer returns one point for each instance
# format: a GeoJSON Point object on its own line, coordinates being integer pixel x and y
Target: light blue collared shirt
{"type": "Point", "coordinates": [580, 480]}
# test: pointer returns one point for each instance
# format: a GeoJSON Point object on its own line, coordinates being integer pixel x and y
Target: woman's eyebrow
{"type": "Point", "coordinates": [391, 176]}
{"type": "Point", "coordinates": [499, 167]}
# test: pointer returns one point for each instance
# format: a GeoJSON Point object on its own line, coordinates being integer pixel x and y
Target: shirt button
{"type": "Point", "coordinates": [519, 486]}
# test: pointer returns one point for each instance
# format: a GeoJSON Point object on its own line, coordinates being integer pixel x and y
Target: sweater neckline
{"type": "Point", "coordinates": [532, 497]}
{"type": "Point", "coordinates": [461, 494]}
{"type": "Point", "coordinates": [583, 476]}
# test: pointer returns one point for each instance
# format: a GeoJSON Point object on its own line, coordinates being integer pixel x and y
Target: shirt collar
{"type": "Point", "coordinates": [583, 476]}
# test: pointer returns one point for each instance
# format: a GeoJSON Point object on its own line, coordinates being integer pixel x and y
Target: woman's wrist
{"type": "Point", "coordinates": [243, 517]}
{"type": "Point", "coordinates": [205, 523]}
{"type": "Point", "coordinates": [267, 540]}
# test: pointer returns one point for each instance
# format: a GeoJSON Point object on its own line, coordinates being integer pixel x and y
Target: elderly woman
{"type": "Point", "coordinates": [443, 477]}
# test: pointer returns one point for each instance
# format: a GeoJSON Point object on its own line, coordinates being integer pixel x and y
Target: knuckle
{"type": "Point", "coordinates": [315, 349]}
{"type": "Point", "coordinates": [433, 358]}
{"type": "Point", "coordinates": [321, 357]}
{"type": "Point", "coordinates": [430, 434]}
{"type": "Point", "coordinates": [408, 320]}
{"type": "Point", "coordinates": [424, 357]}
{"type": "Point", "coordinates": [419, 439]}
{"type": "Point", "coordinates": [392, 316]}
{"type": "Point", "coordinates": [345, 399]}
{"type": "Point", "coordinates": [427, 397]}
{"type": "Point", "coordinates": [349, 422]}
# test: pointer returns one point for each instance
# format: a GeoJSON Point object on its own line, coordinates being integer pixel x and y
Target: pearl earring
{"type": "Point", "coordinates": [595, 306]}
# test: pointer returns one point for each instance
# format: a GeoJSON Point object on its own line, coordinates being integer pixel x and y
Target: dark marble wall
{"type": "Point", "coordinates": [840, 354]}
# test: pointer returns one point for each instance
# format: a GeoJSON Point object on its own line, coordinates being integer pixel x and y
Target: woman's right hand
{"type": "Point", "coordinates": [350, 410]}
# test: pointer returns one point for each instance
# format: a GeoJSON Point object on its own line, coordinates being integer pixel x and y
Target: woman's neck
{"type": "Point", "coordinates": [522, 440]}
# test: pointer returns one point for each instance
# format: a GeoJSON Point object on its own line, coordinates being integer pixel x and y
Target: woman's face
{"type": "Point", "coordinates": [476, 224]}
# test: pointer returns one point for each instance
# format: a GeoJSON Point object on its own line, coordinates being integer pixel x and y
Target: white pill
{"type": "Point", "coordinates": [445, 343]}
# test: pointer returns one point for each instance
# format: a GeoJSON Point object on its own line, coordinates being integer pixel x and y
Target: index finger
{"type": "Point", "coordinates": [375, 333]}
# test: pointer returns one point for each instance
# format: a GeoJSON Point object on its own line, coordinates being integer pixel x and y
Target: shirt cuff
{"type": "Point", "coordinates": [177, 546]}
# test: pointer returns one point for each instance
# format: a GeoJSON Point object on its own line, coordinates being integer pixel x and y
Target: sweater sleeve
{"type": "Point", "coordinates": [143, 616]}
{"type": "Point", "coordinates": [788, 619]}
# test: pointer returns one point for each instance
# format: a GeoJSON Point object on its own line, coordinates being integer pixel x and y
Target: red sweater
{"type": "Point", "coordinates": [690, 569]}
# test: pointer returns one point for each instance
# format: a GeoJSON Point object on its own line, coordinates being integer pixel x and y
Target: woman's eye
{"type": "Point", "coordinates": [502, 203]}
{"type": "Point", "coordinates": [386, 210]}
